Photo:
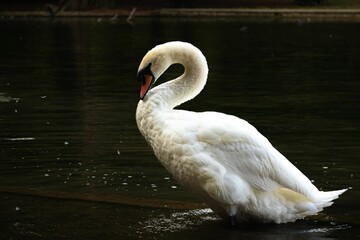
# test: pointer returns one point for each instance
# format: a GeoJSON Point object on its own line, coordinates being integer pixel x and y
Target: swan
{"type": "Point", "coordinates": [220, 158]}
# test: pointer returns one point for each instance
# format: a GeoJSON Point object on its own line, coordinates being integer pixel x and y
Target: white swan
{"type": "Point", "coordinates": [222, 159]}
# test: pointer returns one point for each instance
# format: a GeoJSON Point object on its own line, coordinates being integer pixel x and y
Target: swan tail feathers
{"type": "Point", "coordinates": [293, 205]}
{"type": "Point", "coordinates": [325, 199]}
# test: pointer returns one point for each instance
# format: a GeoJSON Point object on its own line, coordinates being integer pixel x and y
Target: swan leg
{"type": "Point", "coordinates": [232, 219]}
{"type": "Point", "coordinates": [232, 210]}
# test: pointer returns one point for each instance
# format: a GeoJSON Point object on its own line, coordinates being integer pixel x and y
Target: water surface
{"type": "Point", "coordinates": [73, 164]}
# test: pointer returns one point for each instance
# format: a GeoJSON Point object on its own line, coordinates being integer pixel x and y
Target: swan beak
{"type": "Point", "coordinates": [147, 81]}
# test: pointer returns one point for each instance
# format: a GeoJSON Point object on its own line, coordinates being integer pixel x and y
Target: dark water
{"type": "Point", "coordinates": [74, 166]}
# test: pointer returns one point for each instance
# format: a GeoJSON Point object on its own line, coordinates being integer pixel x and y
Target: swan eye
{"type": "Point", "coordinates": [143, 72]}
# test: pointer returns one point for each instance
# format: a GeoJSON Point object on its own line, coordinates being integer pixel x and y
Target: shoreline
{"type": "Point", "coordinates": [317, 13]}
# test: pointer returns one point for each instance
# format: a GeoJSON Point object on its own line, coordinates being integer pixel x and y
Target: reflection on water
{"type": "Point", "coordinates": [71, 155]}
{"type": "Point", "coordinates": [197, 223]}
{"type": "Point", "coordinates": [43, 218]}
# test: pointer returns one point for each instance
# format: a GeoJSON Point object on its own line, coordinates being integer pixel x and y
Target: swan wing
{"type": "Point", "coordinates": [246, 159]}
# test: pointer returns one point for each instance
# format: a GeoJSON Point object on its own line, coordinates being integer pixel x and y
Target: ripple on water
{"type": "Point", "coordinates": [178, 221]}
{"type": "Point", "coordinates": [4, 98]}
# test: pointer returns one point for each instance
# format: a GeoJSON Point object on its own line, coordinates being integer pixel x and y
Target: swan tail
{"type": "Point", "coordinates": [325, 199]}
{"type": "Point", "coordinates": [285, 205]}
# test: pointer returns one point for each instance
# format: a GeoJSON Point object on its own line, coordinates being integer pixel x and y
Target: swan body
{"type": "Point", "coordinates": [221, 158]}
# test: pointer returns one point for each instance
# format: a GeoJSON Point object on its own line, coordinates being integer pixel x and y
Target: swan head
{"type": "Point", "coordinates": [158, 60]}
{"type": "Point", "coordinates": [152, 66]}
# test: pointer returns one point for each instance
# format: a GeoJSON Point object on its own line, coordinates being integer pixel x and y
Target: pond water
{"type": "Point", "coordinates": [73, 164]}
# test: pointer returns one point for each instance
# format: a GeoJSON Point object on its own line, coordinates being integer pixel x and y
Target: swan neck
{"type": "Point", "coordinates": [190, 83]}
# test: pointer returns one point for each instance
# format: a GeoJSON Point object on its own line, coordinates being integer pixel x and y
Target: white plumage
{"type": "Point", "coordinates": [221, 158]}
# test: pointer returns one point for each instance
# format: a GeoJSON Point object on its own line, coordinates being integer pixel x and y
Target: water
{"type": "Point", "coordinates": [73, 164]}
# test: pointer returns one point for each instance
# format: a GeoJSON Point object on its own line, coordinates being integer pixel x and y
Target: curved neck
{"type": "Point", "coordinates": [188, 85]}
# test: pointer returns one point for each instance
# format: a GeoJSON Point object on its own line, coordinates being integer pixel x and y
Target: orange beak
{"type": "Point", "coordinates": [146, 84]}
